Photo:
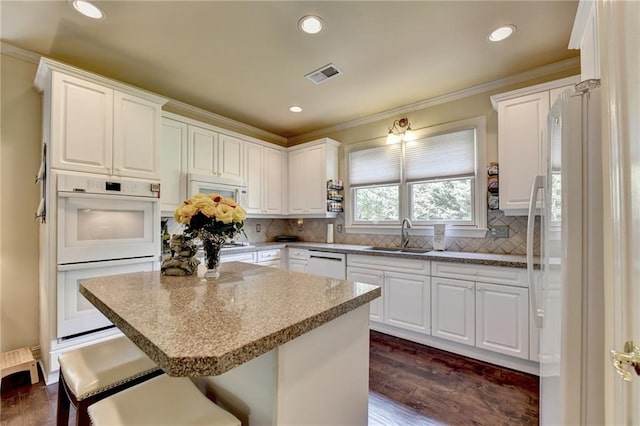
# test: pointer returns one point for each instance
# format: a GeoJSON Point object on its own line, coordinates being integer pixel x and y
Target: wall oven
{"type": "Point", "coordinates": [105, 227]}
{"type": "Point", "coordinates": [199, 184]}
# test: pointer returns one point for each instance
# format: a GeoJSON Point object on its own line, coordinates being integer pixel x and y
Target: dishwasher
{"type": "Point", "coordinates": [327, 264]}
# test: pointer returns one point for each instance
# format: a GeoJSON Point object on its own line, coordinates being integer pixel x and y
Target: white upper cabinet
{"type": "Point", "coordinates": [173, 164]}
{"type": "Point", "coordinates": [230, 152]}
{"type": "Point", "coordinates": [311, 165]}
{"type": "Point", "coordinates": [265, 170]}
{"type": "Point", "coordinates": [522, 140]}
{"type": "Point", "coordinates": [136, 124]}
{"type": "Point", "coordinates": [522, 131]}
{"type": "Point", "coordinates": [215, 155]}
{"type": "Point", "coordinates": [203, 144]}
{"type": "Point", "coordinates": [97, 125]}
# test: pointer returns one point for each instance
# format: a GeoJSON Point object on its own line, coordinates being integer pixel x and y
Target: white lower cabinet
{"type": "Point", "coordinates": [368, 276]}
{"type": "Point", "coordinates": [406, 297]}
{"type": "Point", "coordinates": [453, 310]}
{"type": "Point", "coordinates": [407, 302]}
{"type": "Point", "coordinates": [483, 306]}
{"type": "Point", "coordinates": [502, 319]}
{"type": "Point", "coordinates": [297, 259]}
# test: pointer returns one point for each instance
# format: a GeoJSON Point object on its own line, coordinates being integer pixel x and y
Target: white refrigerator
{"type": "Point", "coordinates": [567, 295]}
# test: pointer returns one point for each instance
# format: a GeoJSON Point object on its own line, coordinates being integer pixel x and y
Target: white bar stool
{"type": "Point", "coordinates": [162, 400]}
{"type": "Point", "coordinates": [92, 373]}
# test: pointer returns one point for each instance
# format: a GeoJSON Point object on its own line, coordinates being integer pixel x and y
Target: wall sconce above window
{"type": "Point", "coordinates": [400, 131]}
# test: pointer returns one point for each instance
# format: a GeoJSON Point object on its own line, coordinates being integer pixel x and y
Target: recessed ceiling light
{"type": "Point", "coordinates": [88, 9]}
{"type": "Point", "coordinates": [311, 24]}
{"type": "Point", "coordinates": [501, 33]}
{"type": "Point", "coordinates": [295, 108]}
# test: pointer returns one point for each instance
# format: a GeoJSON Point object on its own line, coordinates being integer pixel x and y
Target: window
{"type": "Point", "coordinates": [439, 177]}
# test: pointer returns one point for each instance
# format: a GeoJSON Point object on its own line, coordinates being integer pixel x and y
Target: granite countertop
{"type": "Point", "coordinates": [192, 326]}
{"type": "Point", "coordinates": [504, 260]}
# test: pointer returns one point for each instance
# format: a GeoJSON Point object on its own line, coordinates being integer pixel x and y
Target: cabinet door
{"type": "Point", "coordinates": [453, 313]}
{"type": "Point", "coordinates": [253, 172]}
{"type": "Point", "coordinates": [173, 164]}
{"type": "Point", "coordinates": [274, 173]}
{"type": "Point", "coordinates": [298, 265]}
{"type": "Point", "coordinates": [230, 164]}
{"type": "Point", "coordinates": [522, 130]}
{"type": "Point", "coordinates": [316, 179]}
{"type": "Point", "coordinates": [202, 151]}
{"type": "Point", "coordinates": [502, 319]}
{"type": "Point", "coordinates": [136, 129]}
{"type": "Point", "coordinates": [370, 276]}
{"type": "Point", "coordinates": [81, 125]}
{"type": "Point", "coordinates": [407, 301]}
{"type": "Point", "coordinates": [297, 182]}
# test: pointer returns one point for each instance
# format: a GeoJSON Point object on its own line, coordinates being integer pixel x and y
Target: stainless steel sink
{"type": "Point", "coordinates": [398, 250]}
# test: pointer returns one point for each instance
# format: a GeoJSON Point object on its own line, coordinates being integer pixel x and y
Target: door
{"type": "Point", "coordinates": [102, 227]}
{"type": "Point", "coordinates": [202, 151]}
{"type": "Point", "coordinates": [619, 29]}
{"type": "Point", "coordinates": [316, 179]}
{"type": "Point", "coordinates": [75, 313]}
{"type": "Point", "coordinates": [274, 174]}
{"type": "Point", "coordinates": [453, 312]}
{"type": "Point", "coordinates": [136, 134]}
{"type": "Point", "coordinates": [297, 182]}
{"type": "Point", "coordinates": [408, 301]}
{"type": "Point", "coordinates": [253, 177]}
{"type": "Point", "coordinates": [502, 319]}
{"type": "Point", "coordinates": [173, 164]}
{"type": "Point", "coordinates": [230, 151]}
{"type": "Point", "coordinates": [370, 276]}
{"type": "Point", "coordinates": [81, 125]}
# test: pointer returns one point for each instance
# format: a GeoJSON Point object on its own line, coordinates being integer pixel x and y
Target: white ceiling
{"type": "Point", "coordinates": [247, 60]}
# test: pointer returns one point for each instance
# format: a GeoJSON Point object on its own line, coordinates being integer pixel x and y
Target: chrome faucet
{"type": "Point", "coordinates": [406, 224]}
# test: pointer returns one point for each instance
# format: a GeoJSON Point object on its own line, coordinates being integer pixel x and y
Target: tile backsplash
{"type": "Point", "coordinates": [315, 230]}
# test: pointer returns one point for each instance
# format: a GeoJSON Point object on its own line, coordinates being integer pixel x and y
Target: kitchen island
{"type": "Point", "coordinates": [274, 346]}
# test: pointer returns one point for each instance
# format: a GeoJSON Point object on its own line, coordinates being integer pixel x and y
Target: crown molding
{"type": "Point", "coordinates": [19, 53]}
{"type": "Point", "coordinates": [199, 112]}
{"type": "Point", "coordinates": [550, 69]}
{"type": "Point", "coordinates": [580, 23]}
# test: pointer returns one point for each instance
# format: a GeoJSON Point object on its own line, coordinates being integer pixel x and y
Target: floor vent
{"type": "Point", "coordinates": [323, 74]}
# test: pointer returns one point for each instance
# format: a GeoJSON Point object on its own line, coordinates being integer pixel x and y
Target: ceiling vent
{"type": "Point", "coordinates": [323, 74]}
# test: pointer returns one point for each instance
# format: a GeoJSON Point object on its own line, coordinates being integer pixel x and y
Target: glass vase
{"type": "Point", "coordinates": [212, 248]}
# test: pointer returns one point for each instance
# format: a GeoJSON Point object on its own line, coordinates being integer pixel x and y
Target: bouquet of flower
{"type": "Point", "coordinates": [210, 216]}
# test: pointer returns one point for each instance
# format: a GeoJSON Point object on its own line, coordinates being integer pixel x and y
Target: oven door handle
{"type": "Point", "coordinates": [106, 196]}
{"type": "Point", "coordinates": [103, 263]}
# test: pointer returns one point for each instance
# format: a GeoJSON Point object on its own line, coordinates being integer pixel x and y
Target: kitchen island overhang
{"type": "Point", "coordinates": [191, 326]}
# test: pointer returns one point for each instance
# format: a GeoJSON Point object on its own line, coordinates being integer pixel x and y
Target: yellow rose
{"type": "Point", "coordinates": [239, 214]}
{"type": "Point", "coordinates": [184, 213]}
{"type": "Point", "coordinates": [224, 213]}
{"type": "Point", "coordinates": [209, 210]}
{"type": "Point", "coordinates": [203, 203]}
{"type": "Point", "coordinates": [229, 202]}
{"type": "Point", "coordinates": [216, 198]}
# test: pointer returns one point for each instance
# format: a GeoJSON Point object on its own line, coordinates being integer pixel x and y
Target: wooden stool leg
{"type": "Point", "coordinates": [62, 415]}
{"type": "Point", "coordinates": [33, 370]}
{"type": "Point", "coordinates": [82, 415]}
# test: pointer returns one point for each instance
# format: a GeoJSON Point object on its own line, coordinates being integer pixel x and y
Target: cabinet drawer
{"type": "Point", "coordinates": [268, 255]}
{"type": "Point", "coordinates": [240, 257]}
{"type": "Point", "coordinates": [421, 267]}
{"type": "Point", "coordinates": [295, 253]}
{"type": "Point", "coordinates": [489, 274]}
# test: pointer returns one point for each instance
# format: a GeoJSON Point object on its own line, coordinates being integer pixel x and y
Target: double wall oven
{"type": "Point", "coordinates": [105, 227]}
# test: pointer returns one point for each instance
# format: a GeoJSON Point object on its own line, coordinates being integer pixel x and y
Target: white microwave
{"type": "Point", "coordinates": [199, 184]}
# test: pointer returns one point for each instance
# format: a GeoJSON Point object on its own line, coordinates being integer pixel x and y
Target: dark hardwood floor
{"type": "Point", "coordinates": [409, 384]}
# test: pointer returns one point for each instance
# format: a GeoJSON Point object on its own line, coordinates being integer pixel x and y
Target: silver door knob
{"type": "Point", "coordinates": [630, 356]}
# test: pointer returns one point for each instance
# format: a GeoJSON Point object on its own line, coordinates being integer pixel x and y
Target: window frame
{"type": "Point", "coordinates": [477, 229]}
